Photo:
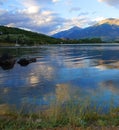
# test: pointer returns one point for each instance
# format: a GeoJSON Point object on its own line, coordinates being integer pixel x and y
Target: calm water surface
{"type": "Point", "coordinates": [62, 73]}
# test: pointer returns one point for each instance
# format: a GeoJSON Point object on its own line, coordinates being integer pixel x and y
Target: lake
{"type": "Point", "coordinates": [62, 73]}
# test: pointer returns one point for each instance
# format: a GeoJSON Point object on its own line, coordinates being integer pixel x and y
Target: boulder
{"type": "Point", "coordinates": [7, 61]}
{"type": "Point", "coordinates": [26, 61]}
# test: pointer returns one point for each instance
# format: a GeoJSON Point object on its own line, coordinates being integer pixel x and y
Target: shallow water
{"type": "Point", "coordinates": [62, 73]}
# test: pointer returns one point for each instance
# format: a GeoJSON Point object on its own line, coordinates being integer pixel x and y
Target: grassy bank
{"type": "Point", "coordinates": [58, 117]}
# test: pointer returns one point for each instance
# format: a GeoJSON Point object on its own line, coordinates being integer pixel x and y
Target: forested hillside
{"type": "Point", "coordinates": [23, 37]}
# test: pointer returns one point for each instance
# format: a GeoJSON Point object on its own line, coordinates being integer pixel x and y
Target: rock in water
{"type": "Point", "coordinates": [26, 61]}
{"type": "Point", "coordinates": [7, 61]}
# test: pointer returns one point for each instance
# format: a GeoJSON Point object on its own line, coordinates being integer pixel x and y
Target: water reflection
{"type": "Point", "coordinates": [109, 65]}
{"type": "Point", "coordinates": [62, 93]}
{"type": "Point", "coordinates": [111, 86]}
{"type": "Point", "coordinates": [34, 80]}
{"type": "Point", "coordinates": [62, 73]}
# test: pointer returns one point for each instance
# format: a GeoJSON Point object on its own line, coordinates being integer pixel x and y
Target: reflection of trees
{"type": "Point", "coordinates": [24, 51]}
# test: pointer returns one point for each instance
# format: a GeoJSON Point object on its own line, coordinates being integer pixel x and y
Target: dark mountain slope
{"type": "Point", "coordinates": [11, 35]}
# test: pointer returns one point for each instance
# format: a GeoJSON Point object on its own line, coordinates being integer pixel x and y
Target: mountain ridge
{"type": "Point", "coordinates": [107, 30]}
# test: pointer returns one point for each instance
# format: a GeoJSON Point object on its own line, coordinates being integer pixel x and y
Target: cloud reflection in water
{"type": "Point", "coordinates": [63, 73]}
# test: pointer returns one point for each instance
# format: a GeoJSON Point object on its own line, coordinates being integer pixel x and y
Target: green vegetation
{"type": "Point", "coordinates": [85, 40]}
{"type": "Point", "coordinates": [9, 36]}
{"type": "Point", "coordinates": [57, 116]}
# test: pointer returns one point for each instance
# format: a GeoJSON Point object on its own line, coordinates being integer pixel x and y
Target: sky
{"type": "Point", "coordinates": [52, 16]}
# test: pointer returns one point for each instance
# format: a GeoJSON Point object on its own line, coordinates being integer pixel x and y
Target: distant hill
{"type": "Point", "coordinates": [68, 33]}
{"type": "Point", "coordinates": [23, 37]}
{"type": "Point", "coordinates": [107, 30]}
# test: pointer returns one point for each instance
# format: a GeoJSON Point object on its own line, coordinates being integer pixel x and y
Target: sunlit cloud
{"type": "Point", "coordinates": [95, 21]}
{"type": "Point", "coordinates": [80, 21]}
{"type": "Point", "coordinates": [30, 7]}
{"type": "Point", "coordinates": [31, 16]}
{"type": "Point", "coordinates": [46, 16]}
{"type": "Point", "coordinates": [99, 19]}
{"type": "Point", "coordinates": [55, 1]}
{"type": "Point", "coordinates": [33, 9]}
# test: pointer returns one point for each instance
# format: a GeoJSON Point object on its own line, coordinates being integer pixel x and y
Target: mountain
{"type": "Point", "coordinates": [11, 35]}
{"type": "Point", "coordinates": [107, 30]}
{"type": "Point", "coordinates": [68, 33]}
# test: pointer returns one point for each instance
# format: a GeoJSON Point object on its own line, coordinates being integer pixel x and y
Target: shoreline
{"type": "Point", "coordinates": [78, 44]}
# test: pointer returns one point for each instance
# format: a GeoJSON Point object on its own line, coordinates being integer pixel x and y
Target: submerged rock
{"type": "Point", "coordinates": [26, 61]}
{"type": "Point", "coordinates": [7, 61]}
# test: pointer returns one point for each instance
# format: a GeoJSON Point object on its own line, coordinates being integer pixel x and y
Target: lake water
{"type": "Point", "coordinates": [62, 73]}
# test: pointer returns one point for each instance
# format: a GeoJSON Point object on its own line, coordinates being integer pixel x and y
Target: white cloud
{"type": "Point", "coordinates": [35, 16]}
{"type": "Point", "coordinates": [97, 19]}
{"type": "Point", "coordinates": [30, 10]}
{"type": "Point", "coordinates": [80, 21]}
{"type": "Point", "coordinates": [43, 21]}
{"type": "Point", "coordinates": [11, 25]}
{"type": "Point", "coordinates": [33, 9]}
{"type": "Point", "coordinates": [54, 1]}
{"type": "Point", "coordinates": [30, 7]}
{"type": "Point", "coordinates": [31, 16]}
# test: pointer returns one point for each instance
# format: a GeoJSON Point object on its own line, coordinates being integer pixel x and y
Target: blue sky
{"type": "Point", "coordinates": [51, 16]}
